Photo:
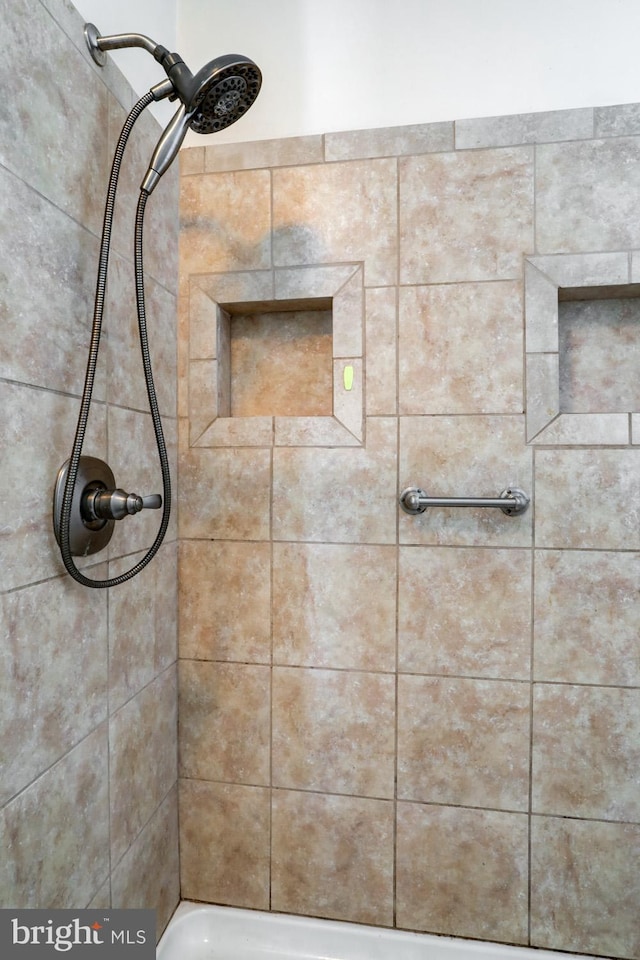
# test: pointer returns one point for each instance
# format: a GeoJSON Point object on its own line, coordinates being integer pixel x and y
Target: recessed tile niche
{"type": "Point", "coordinates": [583, 349]}
{"type": "Point", "coordinates": [280, 361]}
{"type": "Point", "coordinates": [599, 350]}
{"type": "Point", "coordinates": [276, 357]}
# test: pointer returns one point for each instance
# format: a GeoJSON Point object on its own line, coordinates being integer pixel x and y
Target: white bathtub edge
{"type": "Point", "coordinates": [193, 924]}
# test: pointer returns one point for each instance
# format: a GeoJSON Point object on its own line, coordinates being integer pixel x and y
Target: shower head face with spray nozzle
{"type": "Point", "coordinates": [222, 92]}
{"type": "Point", "coordinates": [218, 95]}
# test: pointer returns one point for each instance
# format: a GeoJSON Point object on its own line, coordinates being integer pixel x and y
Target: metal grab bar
{"type": "Point", "coordinates": [512, 501]}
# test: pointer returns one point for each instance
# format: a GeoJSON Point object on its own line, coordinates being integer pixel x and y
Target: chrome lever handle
{"type": "Point", "coordinates": [116, 504]}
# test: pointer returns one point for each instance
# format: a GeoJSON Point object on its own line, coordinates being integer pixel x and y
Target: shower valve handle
{"type": "Point", "coordinates": [100, 504]}
{"type": "Point", "coordinates": [152, 502]}
{"type": "Point", "coordinates": [96, 504]}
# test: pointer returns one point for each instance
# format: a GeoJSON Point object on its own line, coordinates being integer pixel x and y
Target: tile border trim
{"type": "Point", "coordinates": [546, 424]}
{"type": "Point", "coordinates": [208, 425]}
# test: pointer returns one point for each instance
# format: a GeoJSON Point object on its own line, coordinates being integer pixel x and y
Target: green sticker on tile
{"type": "Point", "coordinates": [348, 377]}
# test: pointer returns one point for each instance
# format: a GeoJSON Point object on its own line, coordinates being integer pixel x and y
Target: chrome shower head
{"type": "Point", "coordinates": [218, 95]}
{"type": "Point", "coordinates": [222, 92]}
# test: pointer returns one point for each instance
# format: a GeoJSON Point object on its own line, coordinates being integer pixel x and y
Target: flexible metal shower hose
{"type": "Point", "coordinates": [85, 406]}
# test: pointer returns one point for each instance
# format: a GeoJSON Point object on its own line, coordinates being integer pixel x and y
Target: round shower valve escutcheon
{"type": "Point", "coordinates": [96, 505]}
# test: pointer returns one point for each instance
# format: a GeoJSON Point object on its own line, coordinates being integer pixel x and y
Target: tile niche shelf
{"type": "Point", "coordinates": [562, 292]}
{"type": "Point", "coordinates": [268, 352]}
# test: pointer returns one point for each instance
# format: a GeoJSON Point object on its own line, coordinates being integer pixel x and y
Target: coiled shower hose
{"type": "Point", "coordinates": [85, 406]}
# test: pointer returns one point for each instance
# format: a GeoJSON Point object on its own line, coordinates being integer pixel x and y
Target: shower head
{"type": "Point", "coordinates": [212, 99]}
{"type": "Point", "coordinates": [219, 94]}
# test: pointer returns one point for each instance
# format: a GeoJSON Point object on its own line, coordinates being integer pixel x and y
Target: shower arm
{"type": "Point", "coordinates": [180, 78]}
{"type": "Point", "coordinates": [98, 45]}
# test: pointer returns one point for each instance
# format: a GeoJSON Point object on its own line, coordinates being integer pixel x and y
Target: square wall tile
{"type": "Point", "coordinates": [213, 483]}
{"type": "Point", "coordinates": [449, 226]}
{"type": "Point", "coordinates": [464, 742]}
{"type": "Point", "coordinates": [594, 183]}
{"type": "Point", "coordinates": [335, 212]}
{"type": "Point", "coordinates": [333, 731]}
{"type": "Point", "coordinates": [224, 843]}
{"type": "Point", "coordinates": [469, 456]}
{"type": "Point", "coordinates": [586, 752]}
{"type": "Point", "coordinates": [334, 606]}
{"type": "Point", "coordinates": [59, 146]}
{"type": "Point", "coordinates": [462, 872]}
{"type": "Point", "coordinates": [587, 609]}
{"type": "Point", "coordinates": [224, 721]}
{"type": "Point", "coordinates": [225, 601]}
{"type": "Point", "coordinates": [356, 488]}
{"type": "Point", "coordinates": [466, 628]}
{"type": "Point", "coordinates": [53, 258]}
{"type": "Point", "coordinates": [52, 692]}
{"type": "Point", "coordinates": [333, 857]}
{"type": "Point", "coordinates": [585, 886]}
{"type": "Point", "coordinates": [460, 348]}
{"type": "Point", "coordinates": [225, 222]}
{"type": "Point", "coordinates": [55, 835]}
{"type": "Point", "coordinates": [588, 499]}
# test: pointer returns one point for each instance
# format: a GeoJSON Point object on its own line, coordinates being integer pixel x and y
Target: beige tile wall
{"type": "Point", "coordinates": [88, 688]}
{"type": "Point", "coordinates": [433, 721]}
